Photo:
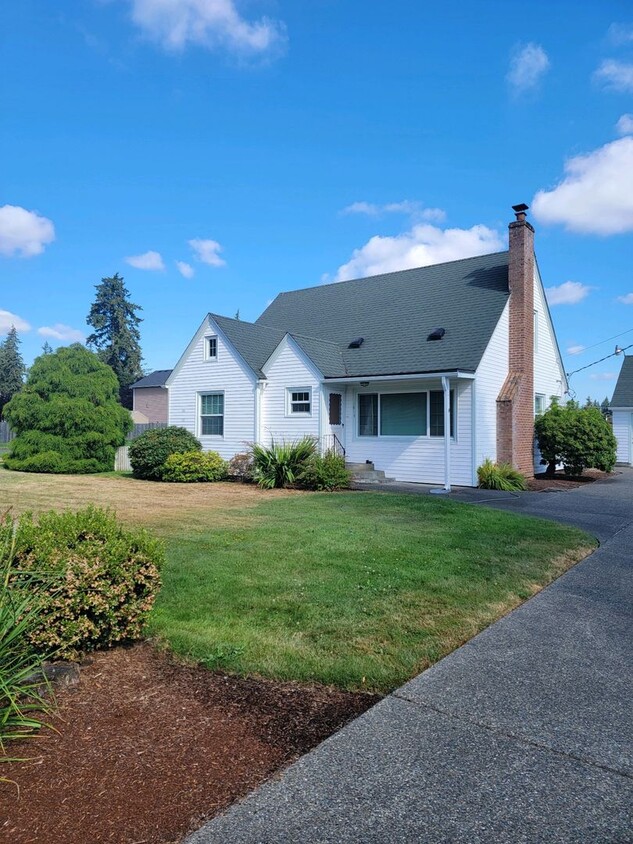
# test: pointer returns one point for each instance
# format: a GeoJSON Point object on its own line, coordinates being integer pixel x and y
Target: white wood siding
{"type": "Point", "coordinates": [288, 368]}
{"type": "Point", "coordinates": [415, 459]}
{"type": "Point", "coordinates": [622, 428]}
{"type": "Point", "coordinates": [548, 375]}
{"type": "Point", "coordinates": [227, 374]}
{"type": "Point", "coordinates": [490, 376]}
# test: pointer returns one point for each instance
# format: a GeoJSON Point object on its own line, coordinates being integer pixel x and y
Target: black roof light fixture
{"type": "Point", "coordinates": [357, 343]}
{"type": "Point", "coordinates": [436, 334]}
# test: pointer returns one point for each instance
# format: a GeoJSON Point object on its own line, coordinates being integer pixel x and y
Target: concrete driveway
{"type": "Point", "coordinates": [524, 734]}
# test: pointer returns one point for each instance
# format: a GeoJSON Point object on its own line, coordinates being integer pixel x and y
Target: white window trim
{"type": "Point", "coordinates": [405, 437]}
{"type": "Point", "coordinates": [199, 433]}
{"type": "Point", "coordinates": [300, 414]}
{"type": "Point", "coordinates": [207, 356]}
{"type": "Point", "coordinates": [540, 396]}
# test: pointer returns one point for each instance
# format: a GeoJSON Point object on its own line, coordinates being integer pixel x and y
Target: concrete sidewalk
{"type": "Point", "coordinates": [522, 735]}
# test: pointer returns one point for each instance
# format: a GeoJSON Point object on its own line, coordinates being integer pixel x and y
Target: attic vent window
{"type": "Point", "coordinates": [357, 343]}
{"type": "Point", "coordinates": [436, 334]}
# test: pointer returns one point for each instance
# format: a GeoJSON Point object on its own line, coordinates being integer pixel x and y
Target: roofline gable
{"type": "Point", "coordinates": [289, 341]}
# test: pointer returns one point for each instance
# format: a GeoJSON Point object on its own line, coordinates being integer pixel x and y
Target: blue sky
{"type": "Point", "coordinates": [267, 145]}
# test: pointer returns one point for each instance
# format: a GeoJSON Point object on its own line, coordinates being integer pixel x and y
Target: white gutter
{"type": "Point", "coordinates": [412, 376]}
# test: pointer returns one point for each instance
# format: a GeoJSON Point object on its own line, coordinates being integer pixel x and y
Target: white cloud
{"type": "Point", "coordinates": [615, 75]}
{"type": "Point", "coordinates": [624, 125]}
{"type": "Point", "coordinates": [527, 67]}
{"type": "Point", "coordinates": [406, 206]}
{"type": "Point", "coordinates": [422, 245]}
{"type": "Point", "coordinates": [24, 233]}
{"type": "Point", "coordinates": [575, 350]}
{"type": "Point", "coordinates": [7, 319]}
{"type": "Point", "coordinates": [620, 33]}
{"type": "Point", "coordinates": [207, 251]}
{"type": "Point", "coordinates": [185, 269]}
{"type": "Point", "coordinates": [147, 261]}
{"type": "Point", "coordinates": [568, 293]}
{"type": "Point", "coordinates": [175, 24]}
{"type": "Point", "coordinates": [59, 331]}
{"type": "Point", "coordinates": [627, 299]}
{"type": "Point", "coordinates": [603, 376]}
{"type": "Point", "coordinates": [596, 195]}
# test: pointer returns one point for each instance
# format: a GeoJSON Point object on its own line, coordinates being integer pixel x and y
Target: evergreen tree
{"type": "Point", "coordinates": [47, 349]}
{"type": "Point", "coordinates": [116, 337]}
{"type": "Point", "coordinates": [12, 367]}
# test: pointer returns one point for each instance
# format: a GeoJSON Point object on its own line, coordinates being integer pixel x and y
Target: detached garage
{"type": "Point", "coordinates": [622, 409]}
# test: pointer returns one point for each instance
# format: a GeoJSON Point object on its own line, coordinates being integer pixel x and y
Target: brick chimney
{"type": "Point", "coordinates": [515, 404]}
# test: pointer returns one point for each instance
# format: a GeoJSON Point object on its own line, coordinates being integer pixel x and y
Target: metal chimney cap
{"type": "Point", "coordinates": [520, 209]}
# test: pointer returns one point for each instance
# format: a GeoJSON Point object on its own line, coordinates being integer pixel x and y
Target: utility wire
{"type": "Point", "coordinates": [612, 355]}
{"type": "Point", "coordinates": [593, 346]}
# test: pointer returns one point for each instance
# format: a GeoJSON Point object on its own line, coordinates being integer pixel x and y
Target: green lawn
{"type": "Point", "coordinates": [361, 590]}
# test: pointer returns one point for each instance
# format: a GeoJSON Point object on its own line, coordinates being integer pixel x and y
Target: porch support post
{"type": "Point", "coordinates": [447, 433]}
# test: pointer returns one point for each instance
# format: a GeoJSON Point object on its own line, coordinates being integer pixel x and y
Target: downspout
{"type": "Point", "coordinates": [259, 386]}
{"type": "Point", "coordinates": [446, 387]}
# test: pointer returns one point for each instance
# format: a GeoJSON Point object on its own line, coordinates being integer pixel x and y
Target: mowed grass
{"type": "Point", "coordinates": [361, 590]}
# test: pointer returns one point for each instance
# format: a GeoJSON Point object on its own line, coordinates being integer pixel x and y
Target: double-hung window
{"type": "Point", "coordinates": [212, 415]}
{"type": "Point", "coordinates": [403, 414]}
{"type": "Point", "coordinates": [299, 401]}
{"type": "Point", "coordinates": [211, 348]}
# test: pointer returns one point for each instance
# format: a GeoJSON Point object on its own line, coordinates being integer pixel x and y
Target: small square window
{"type": "Point", "coordinates": [211, 348]}
{"type": "Point", "coordinates": [300, 400]}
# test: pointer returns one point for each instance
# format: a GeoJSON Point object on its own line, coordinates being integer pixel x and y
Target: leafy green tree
{"type": "Point", "coordinates": [578, 437]}
{"type": "Point", "coordinates": [67, 418]}
{"type": "Point", "coordinates": [116, 337]}
{"type": "Point", "coordinates": [12, 369]}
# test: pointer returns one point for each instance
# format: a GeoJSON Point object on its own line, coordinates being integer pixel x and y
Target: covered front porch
{"type": "Point", "coordinates": [413, 428]}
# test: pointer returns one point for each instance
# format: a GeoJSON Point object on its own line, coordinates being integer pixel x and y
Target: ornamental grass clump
{"type": "Point", "coordinates": [98, 580]}
{"type": "Point", "coordinates": [194, 467]}
{"type": "Point", "coordinates": [280, 464]}
{"type": "Point", "coordinates": [22, 703]}
{"type": "Point", "coordinates": [500, 476]}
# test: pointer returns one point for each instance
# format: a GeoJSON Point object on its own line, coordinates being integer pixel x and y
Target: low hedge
{"type": "Point", "coordinates": [99, 580]}
{"type": "Point", "coordinates": [194, 467]}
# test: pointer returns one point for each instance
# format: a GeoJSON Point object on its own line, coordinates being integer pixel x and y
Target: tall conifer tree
{"type": "Point", "coordinates": [12, 367]}
{"type": "Point", "coordinates": [116, 337]}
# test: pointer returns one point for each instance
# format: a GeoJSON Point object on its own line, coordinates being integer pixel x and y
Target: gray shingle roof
{"type": "Point", "coordinates": [623, 393]}
{"type": "Point", "coordinates": [154, 379]}
{"type": "Point", "coordinates": [395, 313]}
{"type": "Point", "coordinates": [255, 343]}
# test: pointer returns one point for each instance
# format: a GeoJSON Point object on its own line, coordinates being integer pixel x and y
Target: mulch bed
{"type": "Point", "coordinates": [148, 749]}
{"type": "Point", "coordinates": [561, 481]}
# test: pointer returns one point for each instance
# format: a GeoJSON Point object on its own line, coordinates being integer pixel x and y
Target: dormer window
{"type": "Point", "coordinates": [211, 348]}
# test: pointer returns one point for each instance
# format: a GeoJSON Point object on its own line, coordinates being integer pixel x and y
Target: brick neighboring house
{"type": "Point", "coordinates": [150, 398]}
{"type": "Point", "coordinates": [423, 372]}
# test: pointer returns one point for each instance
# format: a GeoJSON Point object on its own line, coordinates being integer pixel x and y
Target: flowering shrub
{"type": "Point", "coordinates": [99, 579]}
{"type": "Point", "coordinates": [194, 467]}
{"type": "Point", "coordinates": [241, 467]}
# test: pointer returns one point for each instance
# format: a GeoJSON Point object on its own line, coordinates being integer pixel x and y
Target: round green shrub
{"type": "Point", "coordinates": [194, 467]}
{"type": "Point", "coordinates": [578, 437]}
{"type": "Point", "coordinates": [99, 580]}
{"type": "Point", "coordinates": [149, 452]}
{"type": "Point", "coordinates": [325, 472]}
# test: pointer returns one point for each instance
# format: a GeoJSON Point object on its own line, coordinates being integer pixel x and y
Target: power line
{"type": "Point", "coordinates": [612, 355]}
{"type": "Point", "coordinates": [593, 346]}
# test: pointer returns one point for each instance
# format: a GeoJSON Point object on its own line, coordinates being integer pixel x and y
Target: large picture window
{"type": "Point", "coordinates": [404, 414]}
{"type": "Point", "coordinates": [212, 415]}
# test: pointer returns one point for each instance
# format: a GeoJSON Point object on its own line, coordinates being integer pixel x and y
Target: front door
{"type": "Point", "coordinates": [336, 417]}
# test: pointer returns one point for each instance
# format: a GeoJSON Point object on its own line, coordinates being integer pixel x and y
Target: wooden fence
{"type": "Point", "coordinates": [140, 428]}
{"type": "Point", "coordinates": [122, 460]}
{"type": "Point", "coordinates": [6, 434]}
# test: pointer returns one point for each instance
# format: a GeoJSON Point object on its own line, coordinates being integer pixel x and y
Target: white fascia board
{"type": "Point", "coordinates": [289, 342]}
{"type": "Point", "coordinates": [183, 357]}
{"type": "Point", "coordinates": [548, 316]}
{"type": "Point", "coordinates": [412, 376]}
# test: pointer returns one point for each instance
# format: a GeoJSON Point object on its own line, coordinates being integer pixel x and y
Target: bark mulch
{"type": "Point", "coordinates": [561, 481]}
{"type": "Point", "coordinates": [148, 749]}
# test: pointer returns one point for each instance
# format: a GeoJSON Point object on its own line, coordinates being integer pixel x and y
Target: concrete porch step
{"type": "Point", "coordinates": [359, 467]}
{"type": "Point", "coordinates": [365, 473]}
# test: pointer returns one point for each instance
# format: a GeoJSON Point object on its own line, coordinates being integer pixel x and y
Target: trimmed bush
{"type": "Point", "coordinates": [67, 418]}
{"type": "Point", "coordinates": [149, 452]}
{"type": "Point", "coordinates": [241, 467]}
{"type": "Point", "coordinates": [194, 467]}
{"type": "Point", "coordinates": [280, 464]}
{"type": "Point", "coordinates": [578, 437]}
{"type": "Point", "coordinates": [500, 476]}
{"type": "Point", "coordinates": [325, 472]}
{"type": "Point", "coordinates": [97, 579]}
